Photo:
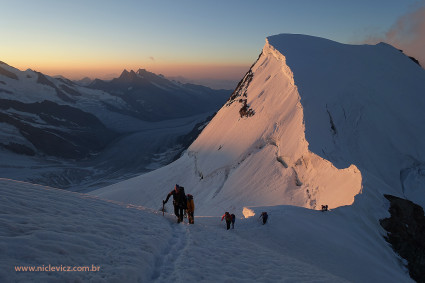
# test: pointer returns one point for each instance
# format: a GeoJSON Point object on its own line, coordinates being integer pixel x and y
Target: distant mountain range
{"type": "Point", "coordinates": [45, 118]}
{"type": "Point", "coordinates": [152, 97]}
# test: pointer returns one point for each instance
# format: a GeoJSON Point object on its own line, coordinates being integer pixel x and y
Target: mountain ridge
{"type": "Point", "coordinates": [64, 131]}
{"type": "Point", "coordinates": [333, 124]}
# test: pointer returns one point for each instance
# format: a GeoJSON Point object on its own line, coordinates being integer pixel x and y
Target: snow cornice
{"type": "Point", "coordinates": [270, 50]}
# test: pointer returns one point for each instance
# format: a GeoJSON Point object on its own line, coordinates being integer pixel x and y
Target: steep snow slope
{"type": "Point", "coordinates": [262, 158]}
{"type": "Point", "coordinates": [43, 227]}
{"type": "Point", "coordinates": [313, 122]}
{"type": "Point", "coordinates": [363, 105]}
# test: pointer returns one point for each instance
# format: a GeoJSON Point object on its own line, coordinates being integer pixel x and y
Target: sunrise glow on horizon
{"type": "Point", "coordinates": [214, 39]}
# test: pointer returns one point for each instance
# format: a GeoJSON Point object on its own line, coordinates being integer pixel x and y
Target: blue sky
{"type": "Point", "coordinates": [186, 37]}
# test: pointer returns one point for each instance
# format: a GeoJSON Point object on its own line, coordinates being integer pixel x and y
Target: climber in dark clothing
{"type": "Point", "coordinates": [265, 216]}
{"type": "Point", "coordinates": [228, 219]}
{"type": "Point", "coordinates": [179, 201]}
{"type": "Point", "coordinates": [233, 220]}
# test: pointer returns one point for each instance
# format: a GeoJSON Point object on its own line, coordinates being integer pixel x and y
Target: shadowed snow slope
{"type": "Point", "coordinates": [43, 227]}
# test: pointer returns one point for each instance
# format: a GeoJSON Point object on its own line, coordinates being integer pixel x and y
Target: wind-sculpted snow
{"type": "Point", "coordinates": [362, 104]}
{"type": "Point", "coordinates": [43, 226]}
{"type": "Point", "coordinates": [259, 160]}
{"type": "Point", "coordinates": [335, 124]}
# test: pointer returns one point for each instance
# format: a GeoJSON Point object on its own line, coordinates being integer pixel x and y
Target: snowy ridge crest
{"type": "Point", "coordinates": [268, 49]}
{"type": "Point", "coordinates": [262, 160]}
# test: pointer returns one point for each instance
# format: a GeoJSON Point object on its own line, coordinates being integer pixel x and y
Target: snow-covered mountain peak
{"type": "Point", "coordinates": [362, 105]}
{"type": "Point", "coordinates": [311, 123]}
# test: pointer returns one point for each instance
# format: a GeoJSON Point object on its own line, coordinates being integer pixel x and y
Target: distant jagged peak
{"type": "Point", "coordinates": [128, 75]}
{"type": "Point", "coordinates": [124, 74]}
{"type": "Point", "coordinates": [142, 71]}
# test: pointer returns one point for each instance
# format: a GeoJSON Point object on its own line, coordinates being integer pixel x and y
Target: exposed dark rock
{"type": "Point", "coordinates": [68, 133]}
{"type": "Point", "coordinates": [241, 88]}
{"type": "Point", "coordinates": [245, 111]}
{"type": "Point", "coordinates": [45, 81]}
{"type": "Point", "coordinates": [406, 234]}
{"type": "Point", "coordinates": [6, 91]}
{"type": "Point", "coordinates": [151, 97]}
{"type": "Point", "coordinates": [414, 60]}
{"type": "Point", "coordinates": [18, 148]}
{"type": "Point", "coordinates": [63, 96]}
{"type": "Point", "coordinates": [128, 76]}
{"type": "Point", "coordinates": [54, 113]}
{"type": "Point", "coordinates": [70, 90]}
{"type": "Point", "coordinates": [240, 93]}
{"type": "Point", "coordinates": [66, 81]}
{"type": "Point", "coordinates": [411, 58]}
{"type": "Point", "coordinates": [8, 74]}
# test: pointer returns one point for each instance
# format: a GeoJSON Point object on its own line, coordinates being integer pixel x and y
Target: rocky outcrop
{"type": "Point", "coordinates": [55, 130]}
{"type": "Point", "coordinates": [151, 97]}
{"type": "Point", "coordinates": [240, 94]}
{"type": "Point", "coordinates": [8, 74]}
{"type": "Point", "coordinates": [406, 234]}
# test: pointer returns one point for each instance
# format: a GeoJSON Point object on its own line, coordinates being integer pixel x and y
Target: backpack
{"type": "Point", "coordinates": [181, 199]}
{"type": "Point", "coordinates": [190, 204]}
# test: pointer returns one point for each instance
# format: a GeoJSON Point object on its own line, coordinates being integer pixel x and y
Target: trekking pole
{"type": "Point", "coordinates": [163, 204]}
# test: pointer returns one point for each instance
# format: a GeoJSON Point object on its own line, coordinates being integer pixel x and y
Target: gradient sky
{"type": "Point", "coordinates": [216, 39]}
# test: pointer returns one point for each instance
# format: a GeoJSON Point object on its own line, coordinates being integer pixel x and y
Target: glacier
{"type": "Point", "coordinates": [314, 122]}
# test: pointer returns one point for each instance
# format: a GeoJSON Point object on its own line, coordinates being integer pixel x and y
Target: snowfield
{"type": "Point", "coordinates": [43, 226]}
{"type": "Point", "coordinates": [313, 122]}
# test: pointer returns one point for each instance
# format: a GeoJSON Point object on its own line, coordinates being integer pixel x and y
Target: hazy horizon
{"type": "Point", "coordinates": [199, 41]}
